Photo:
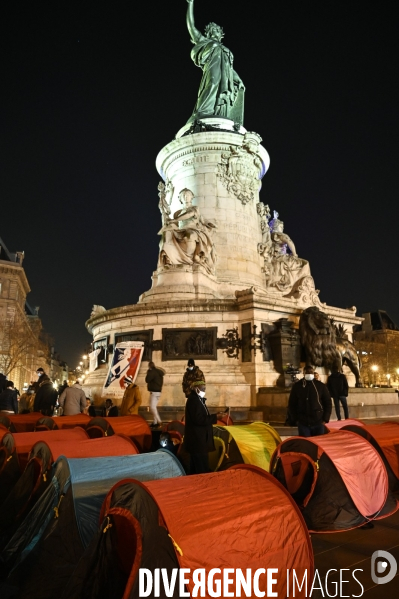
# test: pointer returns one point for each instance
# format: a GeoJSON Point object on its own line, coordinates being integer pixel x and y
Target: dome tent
{"type": "Point", "coordinates": [385, 439]}
{"type": "Point", "coordinates": [338, 480]}
{"type": "Point", "coordinates": [10, 470]}
{"type": "Point", "coordinates": [134, 427]}
{"type": "Point", "coordinates": [193, 522]}
{"type": "Point", "coordinates": [43, 539]}
{"type": "Point", "coordinates": [37, 474]}
{"type": "Point", "coordinates": [253, 444]}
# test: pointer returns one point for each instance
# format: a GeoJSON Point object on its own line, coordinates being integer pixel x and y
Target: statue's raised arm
{"type": "Point", "coordinates": [193, 31]}
{"type": "Point", "coordinates": [221, 92]}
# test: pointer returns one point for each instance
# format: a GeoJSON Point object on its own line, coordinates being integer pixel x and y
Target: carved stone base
{"type": "Point", "coordinates": [181, 282]}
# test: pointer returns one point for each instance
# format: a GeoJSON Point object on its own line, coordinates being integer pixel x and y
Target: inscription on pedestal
{"type": "Point", "coordinates": [197, 343]}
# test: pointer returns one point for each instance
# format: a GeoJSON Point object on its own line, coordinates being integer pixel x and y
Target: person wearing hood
{"type": "Point", "coordinates": [72, 400]}
{"type": "Point", "coordinates": [192, 374]}
{"type": "Point", "coordinates": [131, 400]}
{"type": "Point", "coordinates": [310, 405]}
{"type": "Point", "coordinates": [45, 398]}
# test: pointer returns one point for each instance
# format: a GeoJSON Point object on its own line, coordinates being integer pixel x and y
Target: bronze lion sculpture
{"type": "Point", "coordinates": [322, 346]}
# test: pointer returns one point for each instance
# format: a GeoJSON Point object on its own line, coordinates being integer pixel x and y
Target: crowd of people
{"type": "Point", "coordinates": [309, 405]}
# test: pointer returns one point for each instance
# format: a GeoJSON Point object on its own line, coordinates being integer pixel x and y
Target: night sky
{"type": "Point", "coordinates": [91, 92]}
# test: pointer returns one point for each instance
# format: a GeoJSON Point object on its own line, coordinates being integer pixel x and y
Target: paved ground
{"type": "Point", "coordinates": [353, 549]}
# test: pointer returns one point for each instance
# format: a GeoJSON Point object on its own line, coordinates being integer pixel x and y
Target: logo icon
{"type": "Point", "coordinates": [383, 559]}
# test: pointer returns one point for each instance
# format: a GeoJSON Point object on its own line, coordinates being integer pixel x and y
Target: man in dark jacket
{"type": "Point", "coordinates": [46, 398]}
{"type": "Point", "coordinates": [192, 374]}
{"type": "Point", "coordinates": [154, 380]}
{"type": "Point", "coordinates": [338, 388]}
{"type": "Point", "coordinates": [8, 399]}
{"type": "Point", "coordinates": [198, 434]}
{"type": "Point", "coordinates": [310, 405]}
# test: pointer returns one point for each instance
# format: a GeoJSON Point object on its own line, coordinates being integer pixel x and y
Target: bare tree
{"type": "Point", "coordinates": [18, 343]}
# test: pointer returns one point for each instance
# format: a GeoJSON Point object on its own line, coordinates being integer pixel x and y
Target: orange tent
{"type": "Point", "coordinates": [24, 423]}
{"type": "Point", "coordinates": [338, 480]}
{"type": "Point", "coordinates": [9, 466]}
{"type": "Point", "coordinates": [385, 438]}
{"type": "Point", "coordinates": [338, 424]}
{"type": "Point", "coordinates": [25, 441]}
{"type": "Point", "coordinates": [134, 427]}
{"type": "Point", "coordinates": [62, 422]}
{"type": "Point", "coordinates": [196, 522]}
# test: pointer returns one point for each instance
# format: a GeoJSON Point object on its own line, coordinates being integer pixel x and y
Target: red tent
{"type": "Point", "coordinates": [61, 422]}
{"type": "Point", "coordinates": [338, 480]}
{"type": "Point", "coordinates": [195, 522]}
{"type": "Point", "coordinates": [134, 427]}
{"type": "Point", "coordinates": [25, 441]}
{"type": "Point", "coordinates": [338, 424]}
{"type": "Point", "coordinates": [24, 423]}
{"type": "Point", "coordinates": [9, 466]}
{"type": "Point", "coordinates": [385, 438]}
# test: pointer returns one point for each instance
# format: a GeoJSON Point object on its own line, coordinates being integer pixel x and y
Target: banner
{"type": "Point", "coordinates": [93, 359]}
{"type": "Point", "coordinates": [125, 362]}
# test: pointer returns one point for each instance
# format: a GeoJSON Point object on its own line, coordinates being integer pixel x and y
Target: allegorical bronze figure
{"type": "Point", "coordinates": [221, 92]}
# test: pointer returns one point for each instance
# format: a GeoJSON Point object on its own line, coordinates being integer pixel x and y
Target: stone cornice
{"type": "Point", "coordinates": [208, 141]}
{"type": "Point", "coordinates": [11, 268]}
{"type": "Point", "coordinates": [162, 307]}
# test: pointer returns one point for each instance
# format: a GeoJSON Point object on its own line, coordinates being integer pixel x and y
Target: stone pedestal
{"type": "Point", "coordinates": [220, 173]}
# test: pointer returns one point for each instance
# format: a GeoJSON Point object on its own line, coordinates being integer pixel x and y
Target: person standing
{"type": "Point", "coordinates": [131, 400]}
{"type": "Point", "coordinates": [198, 434]}
{"type": "Point", "coordinates": [338, 387]}
{"type": "Point", "coordinates": [45, 398]}
{"type": "Point", "coordinates": [72, 400]}
{"type": "Point", "coordinates": [309, 405]}
{"type": "Point", "coordinates": [8, 399]}
{"type": "Point", "coordinates": [42, 376]}
{"type": "Point", "coordinates": [192, 374]}
{"type": "Point", "coordinates": [154, 380]}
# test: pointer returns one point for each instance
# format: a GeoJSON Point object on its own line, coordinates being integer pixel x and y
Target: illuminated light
{"type": "Point", "coordinates": [388, 376]}
{"type": "Point", "coordinates": [81, 363]}
{"type": "Point", "coordinates": [84, 357]}
{"type": "Point", "coordinates": [374, 367]}
{"type": "Point", "coordinates": [86, 372]}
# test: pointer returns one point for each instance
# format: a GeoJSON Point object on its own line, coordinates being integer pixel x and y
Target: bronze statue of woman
{"type": "Point", "coordinates": [221, 92]}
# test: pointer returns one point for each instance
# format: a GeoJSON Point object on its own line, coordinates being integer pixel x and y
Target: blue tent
{"type": "Point", "coordinates": [62, 523]}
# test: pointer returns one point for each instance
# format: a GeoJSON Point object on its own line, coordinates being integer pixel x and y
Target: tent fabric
{"type": "Point", "coordinates": [84, 484]}
{"type": "Point", "coordinates": [346, 485]}
{"type": "Point", "coordinates": [62, 422]}
{"type": "Point", "coordinates": [9, 466]}
{"type": "Point", "coordinates": [5, 422]}
{"type": "Point", "coordinates": [385, 438]}
{"type": "Point", "coordinates": [133, 426]}
{"type": "Point", "coordinates": [24, 423]}
{"type": "Point", "coordinates": [202, 511]}
{"type": "Point", "coordinates": [256, 442]}
{"type": "Point", "coordinates": [117, 445]}
{"type": "Point", "coordinates": [338, 424]}
{"type": "Point", "coordinates": [25, 441]}
{"type": "Point", "coordinates": [46, 424]}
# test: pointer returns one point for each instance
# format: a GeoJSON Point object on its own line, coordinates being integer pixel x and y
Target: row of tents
{"type": "Point", "coordinates": [92, 522]}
